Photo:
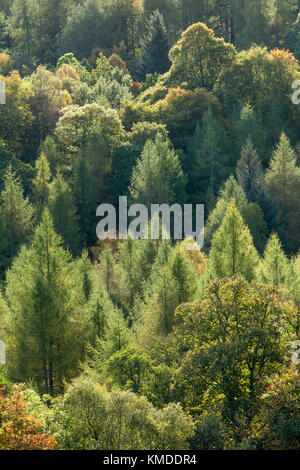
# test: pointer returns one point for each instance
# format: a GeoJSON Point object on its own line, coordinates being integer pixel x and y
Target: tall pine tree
{"type": "Point", "coordinates": [232, 250]}
{"type": "Point", "coordinates": [16, 216]}
{"type": "Point", "coordinates": [62, 209]}
{"type": "Point", "coordinates": [154, 46]}
{"type": "Point", "coordinates": [46, 338]}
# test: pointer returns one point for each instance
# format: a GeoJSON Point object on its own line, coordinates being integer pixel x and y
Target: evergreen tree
{"type": "Point", "coordinates": [248, 125]}
{"type": "Point", "coordinates": [154, 46]}
{"type": "Point", "coordinates": [16, 216]}
{"type": "Point", "coordinates": [45, 330]}
{"type": "Point", "coordinates": [102, 315]}
{"type": "Point", "coordinates": [21, 30]}
{"type": "Point", "coordinates": [283, 183]}
{"type": "Point", "coordinates": [85, 201]}
{"type": "Point", "coordinates": [184, 276]}
{"type": "Point", "coordinates": [130, 277]}
{"type": "Point", "coordinates": [293, 38]}
{"type": "Point", "coordinates": [49, 149]}
{"type": "Point", "coordinates": [172, 282]}
{"type": "Point", "coordinates": [274, 268]}
{"type": "Point", "coordinates": [117, 334]}
{"type": "Point", "coordinates": [157, 177]}
{"type": "Point", "coordinates": [251, 213]}
{"type": "Point", "coordinates": [206, 162]}
{"type": "Point", "coordinates": [232, 250]}
{"type": "Point", "coordinates": [107, 268]}
{"type": "Point", "coordinates": [41, 184]}
{"type": "Point", "coordinates": [85, 275]}
{"type": "Point", "coordinates": [249, 173]}
{"type": "Point", "coordinates": [62, 210]}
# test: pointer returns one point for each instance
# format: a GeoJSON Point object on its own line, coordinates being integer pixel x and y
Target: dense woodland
{"type": "Point", "coordinates": [141, 344]}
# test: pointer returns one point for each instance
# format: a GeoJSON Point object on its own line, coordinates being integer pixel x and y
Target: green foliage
{"type": "Point", "coordinates": [157, 177]}
{"type": "Point", "coordinates": [154, 46]}
{"type": "Point", "coordinates": [252, 214]}
{"type": "Point", "coordinates": [275, 266]}
{"type": "Point", "coordinates": [247, 124]}
{"type": "Point", "coordinates": [277, 426]}
{"type": "Point", "coordinates": [232, 250]}
{"type": "Point", "coordinates": [230, 341]}
{"type": "Point", "coordinates": [62, 210]}
{"type": "Point", "coordinates": [282, 180]}
{"type": "Point", "coordinates": [206, 162]}
{"type": "Point", "coordinates": [79, 130]}
{"type": "Point", "coordinates": [199, 58]}
{"type": "Point", "coordinates": [209, 434]}
{"type": "Point", "coordinates": [41, 184]}
{"type": "Point", "coordinates": [249, 173]}
{"type": "Point", "coordinates": [172, 281]}
{"type": "Point", "coordinates": [16, 215]}
{"type": "Point", "coordinates": [45, 329]}
{"type": "Point", "coordinates": [89, 415]}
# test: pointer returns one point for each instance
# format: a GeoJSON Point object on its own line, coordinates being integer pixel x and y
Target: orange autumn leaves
{"type": "Point", "coordinates": [19, 430]}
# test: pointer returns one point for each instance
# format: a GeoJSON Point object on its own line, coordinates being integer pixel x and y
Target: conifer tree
{"type": "Point", "coordinates": [206, 159]}
{"type": "Point", "coordinates": [85, 201]}
{"type": "Point", "coordinates": [85, 274]}
{"type": "Point", "coordinates": [117, 334]}
{"type": "Point", "coordinates": [102, 314]}
{"type": "Point", "coordinates": [184, 276]}
{"type": "Point", "coordinates": [160, 302]}
{"type": "Point", "coordinates": [232, 250]}
{"type": "Point", "coordinates": [274, 268]}
{"type": "Point", "coordinates": [130, 277]}
{"type": "Point", "coordinates": [157, 177]}
{"type": "Point", "coordinates": [283, 183]}
{"type": "Point", "coordinates": [250, 177]}
{"type": "Point", "coordinates": [41, 184]}
{"type": "Point", "coordinates": [107, 268]}
{"type": "Point", "coordinates": [251, 213]}
{"type": "Point", "coordinates": [45, 330]}
{"type": "Point", "coordinates": [16, 215]}
{"type": "Point", "coordinates": [49, 149]}
{"type": "Point", "coordinates": [154, 46]}
{"type": "Point", "coordinates": [249, 173]}
{"type": "Point", "coordinates": [62, 210]}
{"type": "Point", "coordinates": [172, 282]}
{"type": "Point", "coordinates": [247, 124]}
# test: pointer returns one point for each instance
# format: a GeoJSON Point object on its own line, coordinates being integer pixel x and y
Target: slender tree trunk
{"type": "Point", "coordinates": [51, 388]}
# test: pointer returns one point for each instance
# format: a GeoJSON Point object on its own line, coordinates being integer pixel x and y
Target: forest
{"type": "Point", "coordinates": [122, 344]}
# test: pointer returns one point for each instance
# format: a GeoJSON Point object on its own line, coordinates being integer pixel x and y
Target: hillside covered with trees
{"type": "Point", "coordinates": [146, 344]}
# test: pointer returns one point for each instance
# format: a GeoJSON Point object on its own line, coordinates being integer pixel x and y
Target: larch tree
{"type": "Point", "coordinates": [45, 330]}
{"type": "Point", "coordinates": [251, 212]}
{"type": "Point", "coordinates": [232, 250]}
{"type": "Point", "coordinates": [41, 184]}
{"type": "Point", "coordinates": [16, 216]}
{"type": "Point", "coordinates": [247, 124]}
{"type": "Point", "coordinates": [249, 173]}
{"type": "Point", "coordinates": [172, 282]}
{"type": "Point", "coordinates": [206, 161]}
{"type": "Point", "coordinates": [62, 209]}
{"type": "Point", "coordinates": [154, 46]}
{"type": "Point", "coordinates": [274, 268]}
{"type": "Point", "coordinates": [85, 200]}
{"type": "Point", "coordinates": [157, 177]}
{"type": "Point", "coordinates": [283, 183]}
